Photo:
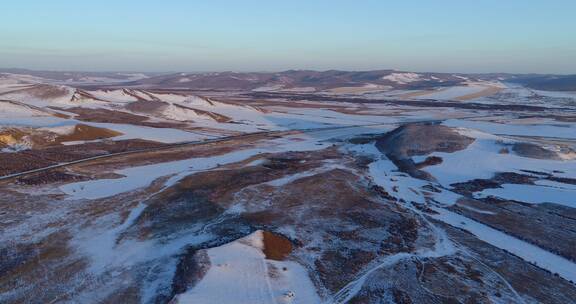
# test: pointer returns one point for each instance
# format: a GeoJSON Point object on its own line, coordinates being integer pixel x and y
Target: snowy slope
{"type": "Point", "coordinates": [402, 78]}
{"type": "Point", "coordinates": [240, 273]}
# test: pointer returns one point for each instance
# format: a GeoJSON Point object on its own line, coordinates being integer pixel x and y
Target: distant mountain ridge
{"type": "Point", "coordinates": [75, 76]}
{"type": "Point", "coordinates": [549, 82]}
{"type": "Point", "coordinates": [304, 80]}
{"type": "Point", "coordinates": [300, 80]}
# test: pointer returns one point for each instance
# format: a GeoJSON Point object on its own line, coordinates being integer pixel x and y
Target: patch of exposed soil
{"type": "Point", "coordinates": [11, 136]}
{"type": "Point", "coordinates": [85, 132]}
{"type": "Point", "coordinates": [35, 138]}
{"type": "Point", "coordinates": [276, 247]}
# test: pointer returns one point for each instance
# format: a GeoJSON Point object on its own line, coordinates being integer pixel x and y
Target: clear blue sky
{"type": "Point", "coordinates": [178, 35]}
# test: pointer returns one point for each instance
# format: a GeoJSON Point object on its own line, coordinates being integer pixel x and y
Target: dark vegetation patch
{"type": "Point", "coordinates": [11, 163]}
{"type": "Point", "coordinates": [452, 279]}
{"type": "Point", "coordinates": [410, 103]}
{"type": "Point", "coordinates": [534, 151]}
{"type": "Point", "coordinates": [25, 265]}
{"type": "Point", "coordinates": [404, 142]}
{"type": "Point", "coordinates": [146, 106]}
{"type": "Point", "coordinates": [191, 268]}
{"type": "Point", "coordinates": [528, 280]}
{"type": "Point", "coordinates": [105, 115]}
{"type": "Point", "coordinates": [477, 185]}
{"type": "Point", "coordinates": [549, 82]}
{"type": "Point", "coordinates": [280, 163]}
{"type": "Point", "coordinates": [429, 161]}
{"type": "Point", "coordinates": [552, 177]}
{"type": "Point", "coordinates": [363, 139]}
{"type": "Point", "coordinates": [48, 177]}
{"type": "Point", "coordinates": [562, 118]}
{"type": "Point", "coordinates": [421, 139]}
{"type": "Point", "coordinates": [113, 116]}
{"type": "Point", "coordinates": [556, 224]}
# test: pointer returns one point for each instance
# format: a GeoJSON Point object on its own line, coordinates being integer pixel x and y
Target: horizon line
{"type": "Point", "coordinates": [271, 71]}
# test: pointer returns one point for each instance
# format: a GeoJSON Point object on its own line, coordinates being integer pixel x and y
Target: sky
{"type": "Point", "coordinates": [529, 36]}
